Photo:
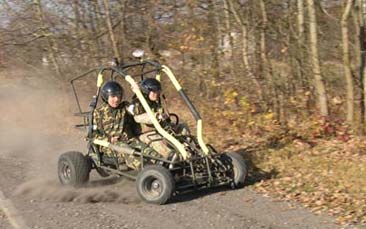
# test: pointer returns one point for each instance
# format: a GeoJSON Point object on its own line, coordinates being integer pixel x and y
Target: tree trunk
{"type": "Point", "coordinates": [294, 80]}
{"type": "Point", "coordinates": [110, 30]}
{"type": "Point", "coordinates": [346, 62]}
{"type": "Point", "coordinates": [263, 48]}
{"type": "Point", "coordinates": [361, 44]}
{"type": "Point", "coordinates": [301, 21]}
{"type": "Point", "coordinates": [358, 91]}
{"type": "Point", "coordinates": [93, 31]}
{"type": "Point", "coordinates": [318, 79]}
{"type": "Point", "coordinates": [75, 6]}
{"type": "Point", "coordinates": [362, 40]}
{"type": "Point", "coordinates": [214, 24]}
{"type": "Point", "coordinates": [301, 42]}
{"type": "Point", "coordinates": [123, 40]}
{"type": "Point", "coordinates": [228, 40]}
{"type": "Point", "coordinates": [245, 55]}
{"type": "Point", "coordinates": [46, 33]}
{"type": "Point", "coordinates": [99, 27]}
{"type": "Point", "coordinates": [266, 65]}
{"type": "Point", "coordinates": [80, 44]}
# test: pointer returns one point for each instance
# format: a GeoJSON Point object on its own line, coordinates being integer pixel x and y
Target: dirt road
{"type": "Point", "coordinates": [34, 131]}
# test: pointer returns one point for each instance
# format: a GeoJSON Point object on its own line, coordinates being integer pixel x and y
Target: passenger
{"type": "Point", "coordinates": [151, 89]}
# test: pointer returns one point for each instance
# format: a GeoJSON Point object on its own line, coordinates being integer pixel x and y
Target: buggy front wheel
{"type": "Point", "coordinates": [239, 169]}
{"type": "Point", "coordinates": [155, 184]}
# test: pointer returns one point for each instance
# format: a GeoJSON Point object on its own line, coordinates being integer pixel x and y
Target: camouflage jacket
{"type": "Point", "coordinates": [140, 116]}
{"type": "Point", "coordinates": [110, 122]}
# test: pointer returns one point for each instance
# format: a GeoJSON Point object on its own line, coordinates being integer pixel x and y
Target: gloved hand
{"type": "Point", "coordinates": [162, 116]}
{"type": "Point", "coordinates": [114, 139]}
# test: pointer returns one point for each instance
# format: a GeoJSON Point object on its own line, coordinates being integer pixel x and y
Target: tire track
{"type": "Point", "coordinates": [11, 213]}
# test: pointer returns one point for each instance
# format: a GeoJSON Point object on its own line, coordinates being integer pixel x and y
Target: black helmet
{"type": "Point", "coordinates": [111, 88]}
{"type": "Point", "coordinates": [150, 84]}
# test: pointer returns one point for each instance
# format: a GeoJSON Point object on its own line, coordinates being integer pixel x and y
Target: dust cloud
{"type": "Point", "coordinates": [92, 193]}
{"type": "Point", "coordinates": [36, 126]}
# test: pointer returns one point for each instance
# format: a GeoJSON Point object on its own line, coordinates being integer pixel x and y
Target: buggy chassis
{"type": "Point", "coordinates": [192, 166]}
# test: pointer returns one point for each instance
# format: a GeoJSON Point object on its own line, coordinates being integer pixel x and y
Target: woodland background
{"type": "Point", "coordinates": [283, 80]}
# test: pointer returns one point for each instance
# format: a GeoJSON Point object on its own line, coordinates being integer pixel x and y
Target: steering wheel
{"type": "Point", "coordinates": [174, 117]}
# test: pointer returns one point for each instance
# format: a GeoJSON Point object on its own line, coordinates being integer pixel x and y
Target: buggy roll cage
{"type": "Point", "coordinates": [122, 71]}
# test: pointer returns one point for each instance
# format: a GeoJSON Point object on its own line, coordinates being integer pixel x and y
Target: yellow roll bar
{"type": "Point", "coordinates": [177, 86]}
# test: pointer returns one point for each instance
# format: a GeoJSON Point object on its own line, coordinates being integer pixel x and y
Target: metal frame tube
{"type": "Point", "coordinates": [195, 113]}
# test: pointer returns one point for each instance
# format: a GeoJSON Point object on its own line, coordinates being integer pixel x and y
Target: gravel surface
{"type": "Point", "coordinates": [32, 136]}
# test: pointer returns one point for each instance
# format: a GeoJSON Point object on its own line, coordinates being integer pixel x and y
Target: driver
{"type": "Point", "coordinates": [110, 123]}
{"type": "Point", "coordinates": [151, 89]}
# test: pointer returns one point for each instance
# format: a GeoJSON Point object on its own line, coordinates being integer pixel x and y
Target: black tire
{"type": "Point", "coordinates": [73, 168]}
{"type": "Point", "coordinates": [240, 170]}
{"type": "Point", "coordinates": [155, 184]}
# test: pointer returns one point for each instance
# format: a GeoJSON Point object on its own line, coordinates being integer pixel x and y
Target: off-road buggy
{"type": "Point", "coordinates": [193, 165]}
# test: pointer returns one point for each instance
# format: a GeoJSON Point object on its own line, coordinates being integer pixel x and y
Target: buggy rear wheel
{"type": "Point", "coordinates": [239, 170]}
{"type": "Point", "coordinates": [155, 184]}
{"type": "Point", "coordinates": [73, 168]}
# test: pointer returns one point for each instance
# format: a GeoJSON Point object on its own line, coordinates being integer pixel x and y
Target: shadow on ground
{"type": "Point", "coordinates": [255, 174]}
{"type": "Point", "coordinates": [197, 194]}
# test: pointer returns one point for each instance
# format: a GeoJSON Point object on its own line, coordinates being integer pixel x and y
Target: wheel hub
{"type": "Point", "coordinates": [66, 171]}
{"type": "Point", "coordinates": [155, 185]}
